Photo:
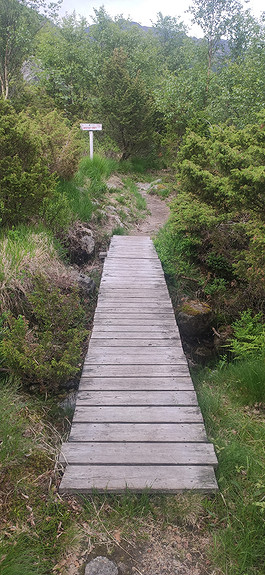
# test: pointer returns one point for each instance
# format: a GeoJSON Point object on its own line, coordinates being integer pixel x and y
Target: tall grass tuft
{"type": "Point", "coordinates": [78, 199]}
{"type": "Point", "coordinates": [236, 513]}
{"type": "Point", "coordinates": [96, 169]}
{"type": "Point", "coordinates": [24, 253]}
{"type": "Point", "coordinates": [246, 380]}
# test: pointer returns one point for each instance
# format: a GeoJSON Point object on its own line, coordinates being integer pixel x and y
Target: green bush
{"type": "Point", "coordinates": [25, 180]}
{"type": "Point", "coordinates": [225, 168]}
{"type": "Point", "coordinates": [45, 349]}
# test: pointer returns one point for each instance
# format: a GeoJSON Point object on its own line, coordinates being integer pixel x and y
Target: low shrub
{"type": "Point", "coordinates": [249, 336]}
{"type": "Point", "coordinates": [25, 180]}
{"type": "Point", "coordinates": [46, 348]}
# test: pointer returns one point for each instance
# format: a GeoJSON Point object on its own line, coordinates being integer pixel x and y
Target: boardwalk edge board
{"type": "Point", "coordinates": [137, 424]}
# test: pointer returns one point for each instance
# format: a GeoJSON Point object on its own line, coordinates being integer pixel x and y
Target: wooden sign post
{"type": "Point", "coordinates": [91, 128]}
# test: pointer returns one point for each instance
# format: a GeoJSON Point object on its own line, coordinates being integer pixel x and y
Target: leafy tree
{"type": "Point", "coordinates": [126, 106]}
{"type": "Point", "coordinates": [19, 22]}
{"type": "Point", "coordinates": [171, 35]}
{"type": "Point", "coordinates": [67, 70]}
{"type": "Point", "coordinates": [214, 17]}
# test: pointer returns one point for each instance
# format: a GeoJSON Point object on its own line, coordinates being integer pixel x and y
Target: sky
{"type": "Point", "coordinates": [144, 11]}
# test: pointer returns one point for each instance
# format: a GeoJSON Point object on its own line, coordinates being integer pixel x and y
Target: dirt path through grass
{"type": "Point", "coordinates": [159, 213]}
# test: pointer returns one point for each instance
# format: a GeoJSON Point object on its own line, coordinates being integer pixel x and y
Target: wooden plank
{"type": "Point", "coordinates": [115, 299]}
{"type": "Point", "coordinates": [100, 370]}
{"type": "Point", "coordinates": [138, 432]}
{"type": "Point", "coordinates": [133, 292]}
{"type": "Point", "coordinates": [168, 398]}
{"type": "Point", "coordinates": [139, 453]}
{"type": "Point", "coordinates": [152, 331]}
{"type": "Point", "coordinates": [135, 318]}
{"type": "Point", "coordinates": [136, 383]}
{"type": "Point", "coordinates": [141, 414]}
{"type": "Point", "coordinates": [140, 343]}
{"type": "Point", "coordinates": [130, 321]}
{"type": "Point", "coordinates": [84, 478]}
{"type": "Point", "coordinates": [134, 309]}
{"type": "Point", "coordinates": [135, 356]}
{"type": "Point", "coordinates": [135, 337]}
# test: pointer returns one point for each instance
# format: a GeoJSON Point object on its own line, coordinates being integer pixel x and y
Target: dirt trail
{"type": "Point", "coordinates": [159, 213]}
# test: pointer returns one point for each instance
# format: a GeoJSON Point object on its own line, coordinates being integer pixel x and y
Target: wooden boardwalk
{"type": "Point", "coordinates": [137, 423]}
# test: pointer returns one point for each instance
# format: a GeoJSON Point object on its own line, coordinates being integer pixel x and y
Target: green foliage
{"type": "Point", "coordinates": [78, 199]}
{"type": "Point", "coordinates": [67, 65]}
{"type": "Point", "coordinates": [45, 350]}
{"type": "Point", "coordinates": [61, 143]}
{"type": "Point", "coordinates": [219, 210]}
{"type": "Point", "coordinates": [225, 168]}
{"type": "Point", "coordinates": [126, 106]}
{"type": "Point", "coordinates": [19, 22]}
{"type": "Point", "coordinates": [25, 180]}
{"type": "Point", "coordinates": [249, 336]}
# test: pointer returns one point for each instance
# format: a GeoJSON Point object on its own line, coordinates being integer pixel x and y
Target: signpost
{"type": "Point", "coordinates": [91, 128]}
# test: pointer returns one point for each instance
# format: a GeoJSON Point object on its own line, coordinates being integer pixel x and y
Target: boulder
{"type": "Point", "coordinates": [80, 243]}
{"type": "Point", "coordinates": [194, 319]}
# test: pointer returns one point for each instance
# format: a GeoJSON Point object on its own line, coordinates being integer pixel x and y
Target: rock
{"type": "Point", "coordinates": [101, 566]}
{"type": "Point", "coordinates": [114, 183]}
{"type": "Point", "coordinates": [194, 319]}
{"type": "Point", "coordinates": [69, 402]}
{"type": "Point", "coordinates": [81, 244]}
{"type": "Point", "coordinates": [86, 284]}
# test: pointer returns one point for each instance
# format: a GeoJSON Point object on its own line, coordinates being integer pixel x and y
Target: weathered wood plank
{"type": "Point", "coordinates": [141, 414]}
{"type": "Point", "coordinates": [116, 300]}
{"type": "Point", "coordinates": [139, 453]}
{"type": "Point", "coordinates": [162, 322]}
{"type": "Point", "coordinates": [152, 331]}
{"type": "Point", "coordinates": [85, 478]}
{"type": "Point", "coordinates": [130, 292]}
{"type": "Point", "coordinates": [135, 370]}
{"type": "Point", "coordinates": [136, 310]}
{"type": "Point", "coordinates": [151, 384]}
{"type": "Point", "coordinates": [140, 343]}
{"type": "Point", "coordinates": [135, 398]}
{"type": "Point", "coordinates": [138, 432]}
{"type": "Point", "coordinates": [135, 356]}
{"type": "Point", "coordinates": [155, 340]}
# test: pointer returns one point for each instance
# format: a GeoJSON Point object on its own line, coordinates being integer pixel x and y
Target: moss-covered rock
{"type": "Point", "coordinates": [194, 318]}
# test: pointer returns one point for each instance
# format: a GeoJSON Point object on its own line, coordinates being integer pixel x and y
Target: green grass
{"type": "Point", "coordinates": [88, 186]}
{"type": "Point", "coordinates": [78, 198]}
{"type": "Point", "coordinates": [140, 201]}
{"type": "Point", "coordinates": [36, 525]}
{"type": "Point", "coordinates": [96, 169]}
{"type": "Point", "coordinates": [236, 516]}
